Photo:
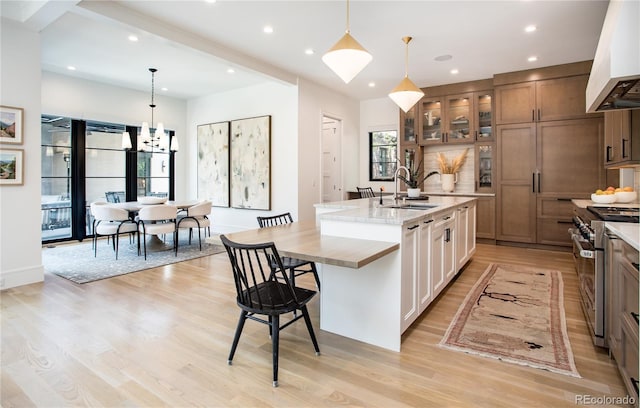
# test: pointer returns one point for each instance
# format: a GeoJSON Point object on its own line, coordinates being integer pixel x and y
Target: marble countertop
{"type": "Point", "coordinates": [371, 211]}
{"type": "Point", "coordinates": [628, 232]}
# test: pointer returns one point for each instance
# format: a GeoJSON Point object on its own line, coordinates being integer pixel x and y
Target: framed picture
{"type": "Point", "coordinates": [251, 163]}
{"type": "Point", "coordinates": [11, 167]}
{"type": "Point", "coordinates": [213, 163]}
{"type": "Point", "coordinates": [10, 125]}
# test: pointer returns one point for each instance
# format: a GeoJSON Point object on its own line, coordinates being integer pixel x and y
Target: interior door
{"type": "Point", "coordinates": [331, 160]}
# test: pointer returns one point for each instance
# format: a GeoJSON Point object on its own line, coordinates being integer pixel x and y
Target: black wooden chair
{"type": "Point", "coordinates": [260, 291]}
{"type": "Point", "coordinates": [296, 267]}
{"type": "Point", "coordinates": [365, 192]}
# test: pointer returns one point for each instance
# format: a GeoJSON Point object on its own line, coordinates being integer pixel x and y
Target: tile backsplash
{"type": "Point", "coordinates": [466, 179]}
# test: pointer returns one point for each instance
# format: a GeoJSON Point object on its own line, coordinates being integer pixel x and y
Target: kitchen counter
{"type": "Point", "coordinates": [369, 210]}
{"type": "Point", "coordinates": [584, 203]}
{"type": "Point", "coordinates": [628, 232]}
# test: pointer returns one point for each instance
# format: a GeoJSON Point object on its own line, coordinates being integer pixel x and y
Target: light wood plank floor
{"type": "Point", "coordinates": [161, 337]}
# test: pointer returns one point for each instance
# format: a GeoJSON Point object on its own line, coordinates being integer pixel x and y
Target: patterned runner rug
{"type": "Point", "coordinates": [77, 263]}
{"type": "Point", "coordinates": [515, 314]}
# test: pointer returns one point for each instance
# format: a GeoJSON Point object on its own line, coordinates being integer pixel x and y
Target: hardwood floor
{"type": "Point", "coordinates": [161, 337]}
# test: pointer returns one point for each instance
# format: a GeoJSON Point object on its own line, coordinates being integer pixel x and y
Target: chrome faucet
{"type": "Point", "coordinates": [395, 178]}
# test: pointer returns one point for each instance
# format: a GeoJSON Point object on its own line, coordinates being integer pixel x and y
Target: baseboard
{"type": "Point", "coordinates": [19, 277]}
{"type": "Point", "coordinates": [535, 246]}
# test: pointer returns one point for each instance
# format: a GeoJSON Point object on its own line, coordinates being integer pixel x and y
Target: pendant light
{"type": "Point", "coordinates": [156, 141]}
{"type": "Point", "coordinates": [406, 94]}
{"type": "Point", "coordinates": [347, 57]}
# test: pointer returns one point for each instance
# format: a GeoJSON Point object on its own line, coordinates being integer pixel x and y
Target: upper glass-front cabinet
{"type": "Point", "coordinates": [484, 167]}
{"type": "Point", "coordinates": [408, 121]}
{"type": "Point", "coordinates": [459, 119]}
{"type": "Point", "coordinates": [484, 116]}
{"type": "Point", "coordinates": [431, 121]}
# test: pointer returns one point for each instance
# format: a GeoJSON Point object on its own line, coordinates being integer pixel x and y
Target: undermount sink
{"type": "Point", "coordinates": [413, 206]}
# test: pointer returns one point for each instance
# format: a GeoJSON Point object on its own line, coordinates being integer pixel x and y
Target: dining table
{"type": "Point", "coordinates": [154, 242]}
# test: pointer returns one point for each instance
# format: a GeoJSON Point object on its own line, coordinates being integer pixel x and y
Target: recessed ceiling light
{"type": "Point", "coordinates": [71, 68]}
{"type": "Point", "coordinates": [268, 29]}
{"type": "Point", "coordinates": [230, 71]}
{"type": "Point", "coordinates": [210, 1]}
{"type": "Point", "coordinates": [133, 38]}
{"type": "Point", "coordinates": [309, 51]}
{"type": "Point", "coordinates": [164, 89]}
{"type": "Point", "coordinates": [372, 84]}
{"type": "Point", "coordinates": [454, 71]}
{"type": "Point", "coordinates": [530, 28]}
{"type": "Point", "coordinates": [532, 58]}
{"type": "Point", "coordinates": [441, 58]}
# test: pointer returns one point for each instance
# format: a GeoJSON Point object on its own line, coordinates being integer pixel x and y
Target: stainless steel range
{"type": "Point", "coordinates": [589, 256]}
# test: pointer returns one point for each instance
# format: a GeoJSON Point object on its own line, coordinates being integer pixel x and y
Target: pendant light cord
{"type": "Point", "coordinates": [348, 30]}
{"type": "Point", "coordinates": [406, 55]}
{"type": "Point", "coordinates": [153, 90]}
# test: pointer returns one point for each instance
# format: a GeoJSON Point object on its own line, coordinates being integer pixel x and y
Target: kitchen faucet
{"type": "Point", "coordinates": [395, 178]}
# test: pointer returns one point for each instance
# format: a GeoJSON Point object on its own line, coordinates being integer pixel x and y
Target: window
{"type": "Point", "coordinates": [383, 159]}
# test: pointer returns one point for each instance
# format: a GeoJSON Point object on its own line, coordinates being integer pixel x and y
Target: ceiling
{"type": "Point", "coordinates": [194, 43]}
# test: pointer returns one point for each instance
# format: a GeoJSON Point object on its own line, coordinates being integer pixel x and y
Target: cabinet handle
{"type": "Point", "coordinates": [476, 135]}
{"type": "Point", "coordinates": [624, 143]}
{"type": "Point", "coordinates": [447, 235]}
{"type": "Point", "coordinates": [428, 221]}
{"type": "Point", "coordinates": [413, 227]}
{"type": "Point", "coordinates": [533, 183]}
{"type": "Point", "coordinates": [635, 316]}
{"type": "Point", "coordinates": [539, 177]}
{"type": "Point", "coordinates": [564, 222]}
{"type": "Point", "coordinates": [538, 115]}
{"type": "Point", "coordinates": [533, 115]}
{"type": "Point", "coordinates": [563, 199]}
{"type": "Point", "coordinates": [446, 218]}
{"type": "Point", "coordinates": [608, 155]}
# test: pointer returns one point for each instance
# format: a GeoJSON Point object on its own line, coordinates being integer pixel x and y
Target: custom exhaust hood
{"type": "Point", "coordinates": [614, 82]}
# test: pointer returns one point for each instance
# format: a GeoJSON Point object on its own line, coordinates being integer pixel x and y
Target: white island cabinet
{"type": "Point", "coordinates": [377, 303]}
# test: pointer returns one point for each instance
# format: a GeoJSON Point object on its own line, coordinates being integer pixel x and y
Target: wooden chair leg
{"type": "Point", "coordinates": [307, 320]}
{"type": "Point", "coordinates": [315, 274]}
{"type": "Point", "coordinates": [275, 339]}
{"type": "Point", "coordinates": [236, 338]}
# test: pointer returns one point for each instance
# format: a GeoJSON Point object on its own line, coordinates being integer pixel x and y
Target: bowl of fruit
{"type": "Point", "coordinates": [625, 195]}
{"type": "Point", "coordinates": [606, 196]}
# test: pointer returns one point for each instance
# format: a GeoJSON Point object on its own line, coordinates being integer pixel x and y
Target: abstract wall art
{"type": "Point", "coordinates": [213, 163]}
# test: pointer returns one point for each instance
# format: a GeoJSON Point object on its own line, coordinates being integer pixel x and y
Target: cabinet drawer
{"type": "Point", "coordinates": [553, 231]}
{"type": "Point", "coordinates": [555, 207]}
{"type": "Point", "coordinates": [629, 285]}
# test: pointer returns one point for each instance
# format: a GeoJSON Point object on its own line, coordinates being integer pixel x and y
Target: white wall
{"type": "Point", "coordinates": [89, 100]}
{"type": "Point", "coordinates": [314, 102]}
{"type": "Point", "coordinates": [20, 247]}
{"type": "Point", "coordinates": [275, 99]}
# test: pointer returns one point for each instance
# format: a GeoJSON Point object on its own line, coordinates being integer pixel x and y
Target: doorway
{"type": "Point", "coordinates": [331, 167]}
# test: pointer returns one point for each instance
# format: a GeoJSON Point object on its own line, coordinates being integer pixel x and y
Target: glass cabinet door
{"type": "Point", "coordinates": [459, 117]}
{"type": "Point", "coordinates": [484, 111]}
{"type": "Point", "coordinates": [408, 121]}
{"type": "Point", "coordinates": [431, 121]}
{"type": "Point", "coordinates": [484, 167]}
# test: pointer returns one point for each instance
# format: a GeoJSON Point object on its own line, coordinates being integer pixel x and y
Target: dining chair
{"type": "Point", "coordinates": [295, 266]}
{"type": "Point", "coordinates": [262, 291]}
{"type": "Point", "coordinates": [112, 222]}
{"type": "Point", "coordinates": [196, 216]}
{"type": "Point", "coordinates": [156, 220]}
{"type": "Point", "coordinates": [365, 192]}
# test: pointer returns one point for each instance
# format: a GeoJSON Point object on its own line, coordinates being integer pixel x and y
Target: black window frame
{"type": "Point", "coordinates": [393, 147]}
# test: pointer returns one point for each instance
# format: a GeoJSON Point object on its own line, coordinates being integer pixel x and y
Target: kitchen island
{"type": "Point", "coordinates": [379, 266]}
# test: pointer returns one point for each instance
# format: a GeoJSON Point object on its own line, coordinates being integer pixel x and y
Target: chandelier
{"type": "Point", "coordinates": [154, 139]}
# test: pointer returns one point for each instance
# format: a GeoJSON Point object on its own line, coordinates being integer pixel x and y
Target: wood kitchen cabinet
{"type": "Point", "coordinates": [621, 138]}
{"type": "Point", "coordinates": [459, 118]}
{"type": "Point", "coordinates": [486, 217]}
{"type": "Point", "coordinates": [540, 101]}
{"type": "Point", "coordinates": [622, 307]}
{"type": "Point", "coordinates": [465, 234]}
{"type": "Point", "coordinates": [541, 163]}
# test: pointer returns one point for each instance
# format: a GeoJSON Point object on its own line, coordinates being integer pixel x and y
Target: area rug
{"type": "Point", "coordinates": [76, 262]}
{"type": "Point", "coordinates": [515, 314]}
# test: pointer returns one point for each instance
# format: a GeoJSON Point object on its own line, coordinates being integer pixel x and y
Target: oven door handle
{"type": "Point", "coordinates": [586, 249]}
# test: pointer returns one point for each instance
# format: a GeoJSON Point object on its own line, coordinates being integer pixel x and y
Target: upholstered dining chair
{"type": "Point", "coordinates": [365, 192]}
{"type": "Point", "coordinates": [157, 220]}
{"type": "Point", "coordinates": [196, 216]}
{"type": "Point", "coordinates": [112, 222]}
{"type": "Point", "coordinates": [296, 267]}
{"type": "Point", "coordinates": [263, 291]}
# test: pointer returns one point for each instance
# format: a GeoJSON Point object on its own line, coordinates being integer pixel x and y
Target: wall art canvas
{"type": "Point", "coordinates": [10, 125]}
{"type": "Point", "coordinates": [213, 163]}
{"type": "Point", "coordinates": [251, 163]}
{"type": "Point", "coordinates": [11, 167]}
